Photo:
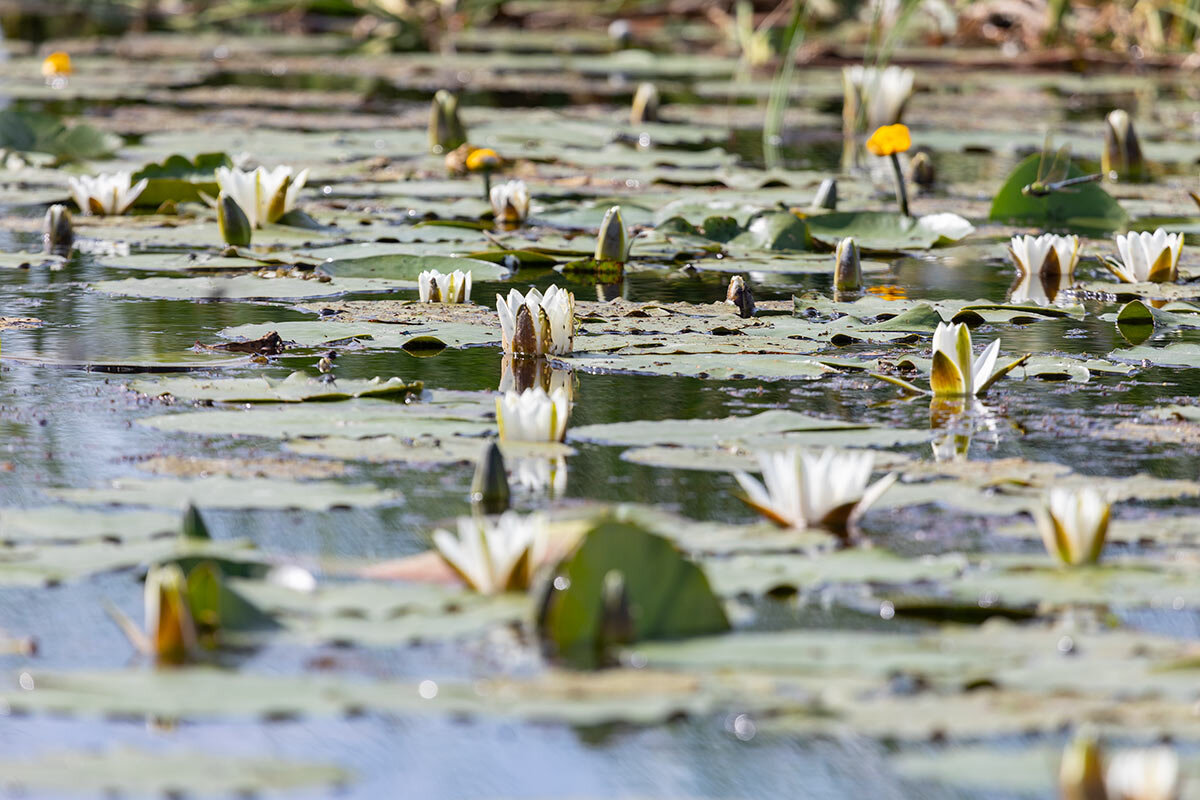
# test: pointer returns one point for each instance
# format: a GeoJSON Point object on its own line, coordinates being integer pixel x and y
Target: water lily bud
{"type": "Point", "coordinates": [446, 130]}
{"type": "Point", "coordinates": [847, 271]}
{"type": "Point", "coordinates": [1081, 774]}
{"type": "Point", "coordinates": [611, 244]}
{"type": "Point", "coordinates": [233, 222]}
{"type": "Point", "coordinates": [740, 295]}
{"type": "Point", "coordinates": [826, 197]}
{"type": "Point", "coordinates": [645, 104]}
{"type": "Point", "coordinates": [620, 32]}
{"type": "Point", "coordinates": [489, 489]}
{"type": "Point", "coordinates": [169, 625]}
{"type": "Point", "coordinates": [1122, 152]}
{"type": "Point", "coordinates": [921, 170]}
{"type": "Point", "coordinates": [616, 621]}
{"type": "Point", "coordinates": [58, 232]}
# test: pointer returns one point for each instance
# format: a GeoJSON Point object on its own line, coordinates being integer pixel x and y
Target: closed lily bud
{"type": "Point", "coordinates": [193, 525]}
{"type": "Point", "coordinates": [645, 104]}
{"type": "Point", "coordinates": [921, 171]}
{"type": "Point", "coordinates": [1081, 774]}
{"type": "Point", "coordinates": [827, 195]}
{"type": "Point", "coordinates": [446, 130]}
{"type": "Point", "coordinates": [740, 295]}
{"type": "Point", "coordinates": [847, 271]}
{"type": "Point", "coordinates": [233, 222]}
{"type": "Point", "coordinates": [169, 625]}
{"type": "Point", "coordinates": [489, 489]}
{"type": "Point", "coordinates": [1122, 156]}
{"type": "Point", "coordinates": [58, 232]}
{"type": "Point", "coordinates": [612, 242]}
{"type": "Point", "coordinates": [616, 626]}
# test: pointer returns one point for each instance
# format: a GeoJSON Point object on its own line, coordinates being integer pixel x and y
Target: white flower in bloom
{"type": "Point", "coordinates": [881, 94]}
{"type": "Point", "coordinates": [105, 195]}
{"type": "Point", "coordinates": [494, 556]}
{"type": "Point", "coordinates": [510, 202]}
{"type": "Point", "coordinates": [444, 287]}
{"type": "Point", "coordinates": [264, 195]}
{"type": "Point", "coordinates": [535, 324]}
{"type": "Point", "coordinates": [802, 488]}
{"type": "Point", "coordinates": [1152, 257]}
{"type": "Point", "coordinates": [1151, 774]}
{"type": "Point", "coordinates": [1073, 524]}
{"type": "Point", "coordinates": [956, 370]}
{"type": "Point", "coordinates": [1046, 254]}
{"type": "Point", "coordinates": [533, 415]}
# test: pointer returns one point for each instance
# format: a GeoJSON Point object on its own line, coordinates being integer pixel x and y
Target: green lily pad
{"type": "Point", "coordinates": [296, 388]}
{"type": "Point", "coordinates": [243, 287]}
{"type": "Point", "coordinates": [180, 179]}
{"type": "Point", "coordinates": [59, 524]}
{"type": "Point", "coordinates": [224, 492]}
{"type": "Point", "coordinates": [1087, 208]}
{"type": "Point", "coordinates": [408, 266]}
{"type": "Point", "coordinates": [883, 231]}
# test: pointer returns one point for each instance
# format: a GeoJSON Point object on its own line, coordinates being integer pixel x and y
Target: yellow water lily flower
{"type": "Point", "coordinates": [1073, 524]}
{"type": "Point", "coordinates": [889, 140]}
{"type": "Point", "coordinates": [483, 159]}
{"type": "Point", "coordinates": [56, 65]}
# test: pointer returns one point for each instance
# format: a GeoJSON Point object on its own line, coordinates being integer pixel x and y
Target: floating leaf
{"type": "Point", "coordinates": [1086, 208]}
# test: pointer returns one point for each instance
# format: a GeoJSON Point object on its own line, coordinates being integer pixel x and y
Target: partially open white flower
{"type": "Point", "coordinates": [494, 556]}
{"type": "Point", "coordinates": [105, 195]}
{"type": "Point", "coordinates": [263, 195]}
{"type": "Point", "coordinates": [1151, 774]}
{"type": "Point", "coordinates": [880, 94]}
{"type": "Point", "coordinates": [1073, 524]}
{"type": "Point", "coordinates": [956, 370]}
{"type": "Point", "coordinates": [534, 324]}
{"type": "Point", "coordinates": [802, 488]}
{"type": "Point", "coordinates": [510, 202]}
{"type": "Point", "coordinates": [1145, 256]}
{"type": "Point", "coordinates": [1048, 253]}
{"type": "Point", "coordinates": [533, 415]}
{"type": "Point", "coordinates": [444, 287]}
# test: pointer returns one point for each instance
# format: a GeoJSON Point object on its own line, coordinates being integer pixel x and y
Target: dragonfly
{"type": "Point", "coordinates": [1052, 173]}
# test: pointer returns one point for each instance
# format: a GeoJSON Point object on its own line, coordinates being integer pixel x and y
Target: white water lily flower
{"type": "Point", "coordinates": [802, 488]}
{"type": "Point", "coordinates": [956, 370]}
{"type": "Point", "coordinates": [105, 195]}
{"type": "Point", "coordinates": [1145, 256]}
{"type": "Point", "coordinates": [1073, 524]}
{"type": "Point", "coordinates": [493, 556]}
{"type": "Point", "coordinates": [1048, 253]}
{"type": "Point", "coordinates": [881, 94]}
{"type": "Point", "coordinates": [264, 195]}
{"type": "Point", "coordinates": [535, 324]}
{"type": "Point", "coordinates": [1151, 774]}
{"type": "Point", "coordinates": [444, 287]}
{"type": "Point", "coordinates": [533, 415]}
{"type": "Point", "coordinates": [510, 202]}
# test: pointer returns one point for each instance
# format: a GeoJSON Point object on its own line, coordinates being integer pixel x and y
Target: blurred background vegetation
{"type": "Point", "coordinates": [754, 29]}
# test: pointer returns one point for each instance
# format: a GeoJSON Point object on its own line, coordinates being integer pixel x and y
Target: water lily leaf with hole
{"type": "Point", "coordinates": [730, 459]}
{"type": "Point", "coordinates": [246, 260]}
{"type": "Point", "coordinates": [706, 432]}
{"type": "Point", "coordinates": [186, 361]}
{"type": "Point", "coordinates": [758, 574]}
{"type": "Point", "coordinates": [1133, 291]}
{"type": "Point", "coordinates": [1137, 320]}
{"type": "Point", "coordinates": [1180, 354]}
{"type": "Point", "coordinates": [422, 449]}
{"type": "Point", "coordinates": [40, 564]}
{"type": "Point", "coordinates": [30, 131]}
{"type": "Point", "coordinates": [31, 261]}
{"type": "Point", "coordinates": [125, 771]}
{"type": "Point", "coordinates": [219, 491]}
{"type": "Point", "coordinates": [160, 231]}
{"type": "Point", "coordinates": [408, 266]}
{"type": "Point", "coordinates": [466, 416]}
{"type": "Point", "coordinates": [56, 524]}
{"type": "Point", "coordinates": [180, 179]}
{"type": "Point", "coordinates": [773, 230]}
{"type": "Point", "coordinates": [295, 388]}
{"type": "Point", "coordinates": [623, 584]}
{"type": "Point", "coordinates": [1087, 208]}
{"type": "Point", "coordinates": [244, 287]}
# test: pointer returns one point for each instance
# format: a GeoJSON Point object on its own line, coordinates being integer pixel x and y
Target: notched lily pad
{"type": "Point", "coordinates": [295, 388]}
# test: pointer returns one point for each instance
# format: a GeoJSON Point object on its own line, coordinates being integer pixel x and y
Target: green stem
{"type": "Point", "coordinates": [901, 191]}
{"type": "Point", "coordinates": [487, 185]}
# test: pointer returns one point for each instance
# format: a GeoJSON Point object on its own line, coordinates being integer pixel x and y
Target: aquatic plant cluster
{"type": "Point", "coordinates": [867, 442]}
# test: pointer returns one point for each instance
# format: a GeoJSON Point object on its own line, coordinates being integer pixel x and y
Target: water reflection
{"type": "Point", "coordinates": [539, 476]}
{"type": "Point", "coordinates": [518, 374]}
{"type": "Point", "coordinates": [1041, 288]}
{"type": "Point", "coordinates": [959, 419]}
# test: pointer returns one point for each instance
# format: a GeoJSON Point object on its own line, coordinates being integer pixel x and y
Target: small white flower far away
{"type": "Point", "coordinates": [263, 195]}
{"type": "Point", "coordinates": [444, 287]}
{"type": "Point", "coordinates": [534, 324]}
{"type": "Point", "coordinates": [105, 195]}
{"type": "Point", "coordinates": [1147, 257]}
{"type": "Point", "coordinates": [494, 555]}
{"type": "Point", "coordinates": [1073, 524]}
{"type": "Point", "coordinates": [510, 202]}
{"type": "Point", "coordinates": [803, 488]}
{"type": "Point", "coordinates": [533, 415]}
